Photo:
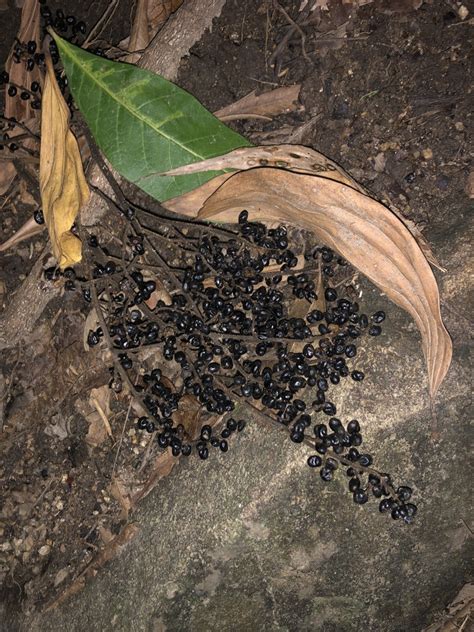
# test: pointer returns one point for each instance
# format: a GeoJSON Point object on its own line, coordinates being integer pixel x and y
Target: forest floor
{"type": "Point", "coordinates": [386, 94]}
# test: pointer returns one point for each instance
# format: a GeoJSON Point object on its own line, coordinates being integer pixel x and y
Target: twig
{"type": "Point", "coordinates": [124, 425]}
{"type": "Point", "coordinates": [296, 27]}
{"type": "Point", "coordinates": [101, 24]}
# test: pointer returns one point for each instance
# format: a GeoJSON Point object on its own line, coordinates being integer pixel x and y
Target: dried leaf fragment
{"type": "Point", "coordinates": [160, 10]}
{"type": "Point", "coordinates": [140, 35]}
{"type": "Point", "coordinates": [29, 229]}
{"type": "Point", "coordinates": [271, 103]}
{"type": "Point", "coordinates": [62, 183]}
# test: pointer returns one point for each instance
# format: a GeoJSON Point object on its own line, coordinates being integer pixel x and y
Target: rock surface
{"type": "Point", "coordinates": [253, 540]}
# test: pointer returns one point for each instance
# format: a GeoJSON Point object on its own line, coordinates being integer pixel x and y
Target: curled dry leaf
{"type": "Point", "coordinates": [362, 230]}
{"type": "Point", "coordinates": [19, 75]}
{"type": "Point", "coordinates": [296, 158]}
{"type": "Point", "coordinates": [292, 157]}
{"type": "Point", "coordinates": [267, 104]}
{"type": "Point", "coordinates": [160, 468]}
{"type": "Point", "coordinates": [62, 183]}
{"type": "Point", "coordinates": [7, 175]}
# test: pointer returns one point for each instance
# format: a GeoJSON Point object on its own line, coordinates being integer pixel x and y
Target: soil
{"type": "Point", "coordinates": [384, 93]}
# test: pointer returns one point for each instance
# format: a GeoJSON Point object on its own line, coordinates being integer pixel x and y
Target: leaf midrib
{"type": "Point", "coordinates": [134, 113]}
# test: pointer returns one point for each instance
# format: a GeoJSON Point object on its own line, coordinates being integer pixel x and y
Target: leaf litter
{"type": "Point", "coordinates": [229, 176]}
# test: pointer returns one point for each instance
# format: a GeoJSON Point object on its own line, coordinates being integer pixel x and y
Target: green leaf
{"type": "Point", "coordinates": [144, 124]}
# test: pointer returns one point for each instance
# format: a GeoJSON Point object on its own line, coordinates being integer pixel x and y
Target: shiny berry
{"type": "Point", "coordinates": [314, 460]}
{"type": "Point", "coordinates": [360, 497]}
{"type": "Point", "coordinates": [38, 216]}
{"type": "Point", "coordinates": [375, 330]}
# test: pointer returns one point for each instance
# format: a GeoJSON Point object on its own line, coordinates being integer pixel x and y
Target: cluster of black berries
{"type": "Point", "coordinates": [68, 25]}
{"type": "Point", "coordinates": [25, 52]}
{"type": "Point", "coordinates": [7, 125]}
{"type": "Point", "coordinates": [363, 479]}
{"type": "Point", "coordinates": [28, 54]}
{"type": "Point", "coordinates": [228, 325]}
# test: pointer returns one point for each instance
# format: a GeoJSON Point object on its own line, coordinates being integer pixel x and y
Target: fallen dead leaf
{"type": "Point", "coordinates": [334, 207]}
{"type": "Point", "coordinates": [140, 35]}
{"type": "Point", "coordinates": [91, 322]}
{"type": "Point", "coordinates": [29, 229]}
{"type": "Point", "coordinates": [295, 158]}
{"type": "Point", "coordinates": [458, 615]}
{"type": "Point", "coordinates": [8, 169]}
{"type": "Point", "coordinates": [60, 576]}
{"type": "Point", "coordinates": [159, 11]}
{"type": "Point", "coordinates": [267, 104]}
{"type": "Point", "coordinates": [105, 534]}
{"type": "Point", "coordinates": [159, 294]}
{"type": "Point", "coordinates": [7, 174]}
{"type": "Point", "coordinates": [62, 183]}
{"type": "Point", "coordinates": [189, 414]}
{"type": "Point", "coordinates": [19, 75]}
{"type": "Point", "coordinates": [26, 196]}
{"type": "Point", "coordinates": [161, 467]}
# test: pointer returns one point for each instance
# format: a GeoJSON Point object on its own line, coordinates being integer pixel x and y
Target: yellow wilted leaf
{"type": "Point", "coordinates": [62, 183]}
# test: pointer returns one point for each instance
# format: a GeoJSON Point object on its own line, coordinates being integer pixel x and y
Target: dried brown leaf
{"type": "Point", "coordinates": [362, 230]}
{"type": "Point", "coordinates": [292, 157]}
{"type": "Point", "coordinates": [62, 183]}
{"type": "Point", "coordinates": [296, 158]}
{"type": "Point", "coordinates": [29, 229]}
{"type": "Point", "coordinates": [29, 31]}
{"type": "Point", "coordinates": [91, 322]}
{"type": "Point", "coordinates": [271, 103]}
{"type": "Point", "coordinates": [160, 10]}
{"type": "Point", "coordinates": [140, 35]}
{"type": "Point", "coordinates": [189, 415]}
{"type": "Point", "coordinates": [161, 467]}
{"type": "Point", "coordinates": [105, 534]}
{"type": "Point", "coordinates": [7, 174]}
{"type": "Point", "coordinates": [8, 170]}
{"type": "Point", "coordinates": [159, 294]}
{"type": "Point", "coordinates": [26, 196]}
